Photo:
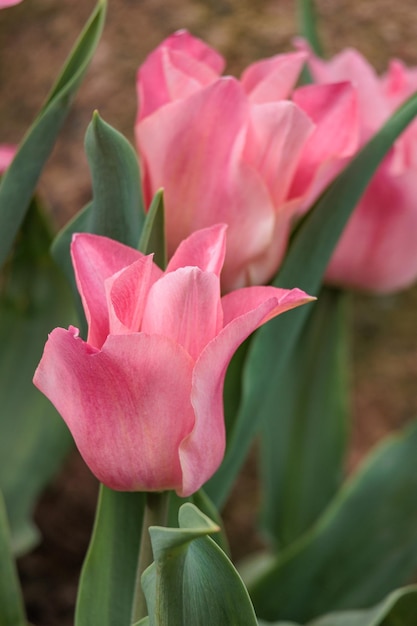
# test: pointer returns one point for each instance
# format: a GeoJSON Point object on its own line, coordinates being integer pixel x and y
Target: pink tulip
{"type": "Point", "coordinates": [378, 248]}
{"type": "Point", "coordinates": [143, 395]}
{"type": "Point", "coordinates": [237, 151]}
{"type": "Point", "coordinates": [8, 3]}
{"type": "Point", "coordinates": [7, 153]}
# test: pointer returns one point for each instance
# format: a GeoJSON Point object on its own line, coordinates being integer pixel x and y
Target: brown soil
{"type": "Point", "coordinates": [34, 40]}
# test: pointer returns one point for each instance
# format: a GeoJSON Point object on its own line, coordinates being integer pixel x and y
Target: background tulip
{"type": "Point", "coordinates": [143, 395]}
{"type": "Point", "coordinates": [377, 250]}
{"type": "Point", "coordinates": [237, 151]}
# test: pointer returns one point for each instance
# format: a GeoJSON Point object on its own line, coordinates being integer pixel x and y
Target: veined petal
{"type": "Point", "coordinates": [181, 65]}
{"type": "Point", "coordinates": [278, 134]}
{"type": "Point", "coordinates": [202, 451]}
{"type": "Point", "coordinates": [185, 306]}
{"type": "Point", "coordinates": [95, 259]}
{"type": "Point", "coordinates": [204, 248]}
{"type": "Point", "coordinates": [127, 292]}
{"type": "Point", "coordinates": [127, 405]}
{"type": "Point", "coordinates": [334, 110]}
{"type": "Point", "coordinates": [273, 79]}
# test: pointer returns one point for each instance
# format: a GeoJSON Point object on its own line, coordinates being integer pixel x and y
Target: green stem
{"type": "Point", "coordinates": [156, 514]}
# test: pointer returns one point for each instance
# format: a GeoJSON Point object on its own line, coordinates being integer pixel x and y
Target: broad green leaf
{"type": "Point", "coordinates": [303, 452]}
{"type": "Point", "coordinates": [397, 609]}
{"type": "Point", "coordinates": [18, 184]}
{"type": "Point", "coordinates": [12, 612]}
{"type": "Point", "coordinates": [107, 583]}
{"type": "Point", "coordinates": [362, 548]}
{"type": "Point", "coordinates": [152, 238]}
{"type": "Point", "coordinates": [33, 299]}
{"type": "Point", "coordinates": [307, 24]}
{"type": "Point", "coordinates": [304, 265]}
{"type": "Point", "coordinates": [192, 581]}
{"type": "Point", "coordinates": [117, 207]}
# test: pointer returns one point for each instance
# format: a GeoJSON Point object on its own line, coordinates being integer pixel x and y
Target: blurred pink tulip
{"type": "Point", "coordinates": [7, 153]}
{"type": "Point", "coordinates": [8, 3]}
{"type": "Point", "coordinates": [378, 248]}
{"type": "Point", "coordinates": [143, 397]}
{"type": "Point", "coordinates": [238, 151]}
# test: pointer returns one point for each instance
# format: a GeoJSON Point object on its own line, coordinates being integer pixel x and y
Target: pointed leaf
{"type": "Point", "coordinates": [303, 266]}
{"type": "Point", "coordinates": [117, 207]}
{"type": "Point", "coordinates": [107, 583]}
{"type": "Point", "coordinates": [363, 547]}
{"type": "Point", "coordinates": [153, 234]}
{"type": "Point", "coordinates": [19, 182]}
{"type": "Point", "coordinates": [34, 440]}
{"type": "Point", "coordinates": [12, 612]}
{"type": "Point", "coordinates": [303, 452]}
{"type": "Point", "coordinates": [192, 581]}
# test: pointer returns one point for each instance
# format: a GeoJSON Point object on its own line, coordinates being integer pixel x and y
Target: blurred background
{"type": "Point", "coordinates": [35, 38]}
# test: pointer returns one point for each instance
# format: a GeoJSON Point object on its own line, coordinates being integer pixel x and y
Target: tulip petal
{"type": "Point", "coordinates": [204, 248]}
{"type": "Point", "coordinates": [185, 306]}
{"type": "Point", "coordinates": [279, 132]}
{"type": "Point", "coordinates": [95, 259]}
{"type": "Point", "coordinates": [334, 110]}
{"type": "Point", "coordinates": [201, 455]}
{"type": "Point", "coordinates": [7, 153]}
{"type": "Point", "coordinates": [273, 79]}
{"type": "Point", "coordinates": [180, 66]}
{"type": "Point", "coordinates": [127, 406]}
{"type": "Point", "coordinates": [127, 292]}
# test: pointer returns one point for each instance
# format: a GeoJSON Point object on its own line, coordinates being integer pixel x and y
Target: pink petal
{"type": "Point", "coordinates": [127, 406]}
{"type": "Point", "coordinates": [334, 110]}
{"type": "Point", "coordinates": [180, 66]}
{"type": "Point", "coordinates": [127, 292]}
{"type": "Point", "coordinates": [202, 451]}
{"type": "Point", "coordinates": [185, 306]}
{"type": "Point", "coordinates": [8, 3]}
{"type": "Point", "coordinates": [7, 153]}
{"type": "Point", "coordinates": [204, 248]}
{"type": "Point", "coordinates": [219, 185]}
{"type": "Point", "coordinates": [270, 80]}
{"type": "Point", "coordinates": [95, 259]}
{"type": "Point", "coordinates": [376, 251]}
{"type": "Point", "coordinates": [279, 132]}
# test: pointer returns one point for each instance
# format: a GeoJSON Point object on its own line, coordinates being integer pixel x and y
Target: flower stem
{"type": "Point", "coordinates": [156, 514]}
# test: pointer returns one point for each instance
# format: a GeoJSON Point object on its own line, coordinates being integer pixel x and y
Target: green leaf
{"type": "Point", "coordinates": [303, 452]}
{"type": "Point", "coordinates": [34, 439]}
{"type": "Point", "coordinates": [19, 181]}
{"type": "Point", "coordinates": [12, 612]}
{"type": "Point", "coordinates": [304, 265]}
{"type": "Point", "coordinates": [117, 207]}
{"type": "Point", "coordinates": [363, 547]}
{"type": "Point", "coordinates": [153, 234]}
{"type": "Point", "coordinates": [192, 581]}
{"type": "Point", "coordinates": [107, 583]}
{"type": "Point", "coordinates": [307, 24]}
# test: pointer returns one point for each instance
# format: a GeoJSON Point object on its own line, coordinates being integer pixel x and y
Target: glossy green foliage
{"type": "Point", "coordinates": [362, 548]}
{"type": "Point", "coordinates": [192, 581]}
{"type": "Point", "coordinates": [117, 208]}
{"type": "Point", "coordinates": [106, 589]}
{"type": "Point", "coordinates": [153, 238]}
{"type": "Point", "coordinates": [18, 184]}
{"type": "Point", "coordinates": [33, 299]}
{"type": "Point", "coordinates": [303, 450]}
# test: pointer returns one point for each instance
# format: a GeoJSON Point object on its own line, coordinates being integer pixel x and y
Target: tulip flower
{"type": "Point", "coordinates": [7, 153]}
{"type": "Point", "coordinates": [238, 151]}
{"type": "Point", "coordinates": [377, 250]}
{"type": "Point", "coordinates": [8, 3]}
{"type": "Point", "coordinates": [143, 395]}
